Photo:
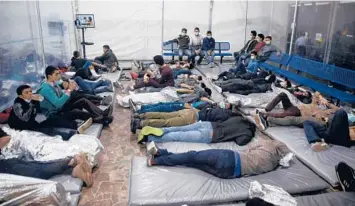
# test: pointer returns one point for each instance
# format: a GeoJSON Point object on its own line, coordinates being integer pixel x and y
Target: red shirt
{"type": "Point", "coordinates": [258, 46]}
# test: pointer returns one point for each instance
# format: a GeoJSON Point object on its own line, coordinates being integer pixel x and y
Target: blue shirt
{"type": "Point", "coordinates": [253, 66]}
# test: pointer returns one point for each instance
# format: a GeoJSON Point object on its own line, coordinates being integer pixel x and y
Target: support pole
{"type": "Point", "coordinates": [246, 22]}
{"type": "Point", "coordinates": [293, 27]}
{"type": "Point", "coordinates": [83, 42]}
{"type": "Point", "coordinates": [162, 26]}
{"type": "Point", "coordinates": [330, 32]}
{"type": "Point", "coordinates": [210, 17]}
{"type": "Point", "coordinates": [40, 32]}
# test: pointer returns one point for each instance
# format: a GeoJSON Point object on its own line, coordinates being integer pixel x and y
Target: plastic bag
{"type": "Point", "coordinates": [285, 161]}
{"type": "Point", "coordinates": [19, 190]}
{"type": "Point", "coordinates": [271, 194]}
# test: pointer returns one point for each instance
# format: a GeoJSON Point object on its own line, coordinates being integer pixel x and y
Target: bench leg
{"type": "Point", "coordinates": [221, 59]}
{"type": "Point", "coordinates": [173, 58]}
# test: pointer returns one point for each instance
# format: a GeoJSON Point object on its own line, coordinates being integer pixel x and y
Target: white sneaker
{"type": "Point", "coordinates": [152, 148]}
{"type": "Point", "coordinates": [319, 146]}
{"type": "Point", "coordinates": [84, 126]}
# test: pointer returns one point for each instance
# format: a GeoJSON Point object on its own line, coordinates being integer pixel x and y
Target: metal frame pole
{"type": "Point", "coordinates": [162, 26]}
{"type": "Point", "coordinates": [210, 16]}
{"type": "Point", "coordinates": [246, 21]}
{"type": "Point", "coordinates": [40, 32]}
{"type": "Point", "coordinates": [330, 32]}
{"type": "Point", "coordinates": [293, 27]}
{"type": "Point", "coordinates": [271, 17]}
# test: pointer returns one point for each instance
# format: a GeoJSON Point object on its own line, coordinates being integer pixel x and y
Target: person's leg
{"type": "Point", "coordinates": [198, 136]}
{"type": "Point", "coordinates": [65, 133]}
{"type": "Point", "coordinates": [59, 121]}
{"type": "Point", "coordinates": [289, 121]}
{"type": "Point", "coordinates": [188, 53]}
{"type": "Point", "coordinates": [338, 129]}
{"type": "Point", "coordinates": [41, 170]}
{"type": "Point", "coordinates": [314, 132]}
{"type": "Point", "coordinates": [205, 54]}
{"type": "Point", "coordinates": [181, 53]}
{"type": "Point", "coordinates": [84, 85]}
{"type": "Point", "coordinates": [220, 163]}
{"type": "Point", "coordinates": [200, 58]}
{"type": "Point", "coordinates": [212, 57]}
{"type": "Point", "coordinates": [190, 127]}
{"type": "Point", "coordinates": [162, 107]}
{"type": "Point", "coordinates": [183, 117]}
{"type": "Point", "coordinates": [192, 55]}
{"type": "Point", "coordinates": [88, 106]}
{"type": "Point", "coordinates": [159, 115]}
{"type": "Point", "coordinates": [283, 98]}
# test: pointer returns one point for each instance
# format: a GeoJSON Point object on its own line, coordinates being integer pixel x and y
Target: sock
{"type": "Point", "coordinates": [93, 72]}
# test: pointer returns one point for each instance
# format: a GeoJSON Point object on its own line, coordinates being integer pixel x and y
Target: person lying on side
{"type": "Point", "coordinates": [79, 63]}
{"type": "Point", "coordinates": [181, 117]}
{"type": "Point", "coordinates": [318, 110]}
{"type": "Point", "coordinates": [236, 129]}
{"type": "Point", "coordinates": [258, 158]}
{"type": "Point", "coordinates": [78, 166]}
{"type": "Point", "coordinates": [93, 87]}
{"type": "Point", "coordinates": [335, 131]}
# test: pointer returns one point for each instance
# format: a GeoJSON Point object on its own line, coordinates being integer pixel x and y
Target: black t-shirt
{"type": "Point", "coordinates": [78, 63]}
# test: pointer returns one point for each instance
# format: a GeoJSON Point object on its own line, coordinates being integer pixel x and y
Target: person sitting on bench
{"type": "Point", "coordinates": [258, 158]}
{"type": "Point", "coordinates": [77, 94]}
{"type": "Point", "coordinates": [335, 131]}
{"type": "Point", "coordinates": [93, 87]}
{"type": "Point", "coordinates": [236, 129]}
{"type": "Point", "coordinates": [243, 59]}
{"type": "Point", "coordinates": [208, 47]}
{"type": "Point", "coordinates": [78, 166]}
{"type": "Point", "coordinates": [24, 112]}
{"type": "Point", "coordinates": [196, 43]}
{"type": "Point", "coordinates": [58, 103]}
{"type": "Point", "coordinates": [108, 58]}
{"type": "Point", "coordinates": [81, 66]}
{"type": "Point", "coordinates": [317, 111]}
{"type": "Point", "coordinates": [248, 47]}
{"type": "Point", "coordinates": [183, 41]}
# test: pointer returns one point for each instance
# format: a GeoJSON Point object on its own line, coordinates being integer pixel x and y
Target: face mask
{"type": "Point", "coordinates": [27, 100]}
{"type": "Point", "coordinates": [252, 57]}
{"type": "Point", "coordinates": [183, 34]}
{"type": "Point", "coordinates": [222, 105]}
{"type": "Point", "coordinates": [209, 37]}
{"type": "Point", "coordinates": [197, 33]}
{"type": "Point", "coordinates": [267, 42]}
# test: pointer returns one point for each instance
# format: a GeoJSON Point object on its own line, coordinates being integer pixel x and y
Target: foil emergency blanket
{"type": "Point", "coordinates": [30, 145]}
{"type": "Point", "coordinates": [260, 100]}
{"type": "Point", "coordinates": [19, 190]}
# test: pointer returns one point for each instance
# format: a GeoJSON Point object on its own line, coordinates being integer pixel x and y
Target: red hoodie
{"type": "Point", "coordinates": [258, 46]}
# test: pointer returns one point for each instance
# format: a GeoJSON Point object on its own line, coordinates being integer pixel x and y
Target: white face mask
{"type": "Point", "coordinates": [252, 57]}
{"type": "Point", "coordinates": [197, 33]}
{"type": "Point", "coordinates": [209, 37]}
{"type": "Point", "coordinates": [267, 42]}
{"type": "Point", "coordinates": [183, 34]}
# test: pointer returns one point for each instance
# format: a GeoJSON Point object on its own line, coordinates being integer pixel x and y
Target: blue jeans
{"type": "Point", "coordinates": [220, 163]}
{"type": "Point", "coordinates": [183, 52]}
{"type": "Point", "coordinates": [210, 59]}
{"type": "Point", "coordinates": [193, 56]}
{"type": "Point", "coordinates": [162, 107]}
{"type": "Point", "coordinates": [41, 170]}
{"type": "Point", "coordinates": [246, 58]}
{"type": "Point", "coordinates": [177, 72]}
{"type": "Point", "coordinates": [336, 133]}
{"type": "Point", "coordinates": [93, 87]}
{"type": "Point", "coordinates": [200, 132]}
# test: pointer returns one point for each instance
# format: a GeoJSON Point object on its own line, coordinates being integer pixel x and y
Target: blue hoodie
{"type": "Point", "coordinates": [208, 44]}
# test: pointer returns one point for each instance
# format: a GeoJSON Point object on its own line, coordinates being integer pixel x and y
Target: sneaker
{"type": "Point", "coordinates": [319, 146]}
{"type": "Point", "coordinates": [346, 176]}
{"type": "Point", "coordinates": [118, 84]}
{"type": "Point", "coordinates": [108, 112]}
{"type": "Point", "coordinates": [84, 126]}
{"type": "Point", "coordinates": [136, 115]}
{"type": "Point", "coordinates": [152, 149]}
{"type": "Point", "coordinates": [211, 65]}
{"type": "Point", "coordinates": [132, 106]}
{"type": "Point", "coordinates": [150, 159]}
{"type": "Point", "coordinates": [106, 101]}
{"type": "Point", "coordinates": [260, 121]}
{"type": "Point", "coordinates": [107, 121]}
{"type": "Point", "coordinates": [149, 131]}
{"type": "Point", "coordinates": [135, 124]}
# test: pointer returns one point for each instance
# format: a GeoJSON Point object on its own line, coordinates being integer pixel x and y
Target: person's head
{"type": "Point", "coordinates": [65, 84]}
{"type": "Point", "coordinates": [24, 92]}
{"type": "Point", "coordinates": [183, 31]}
{"type": "Point", "coordinates": [260, 37]}
{"type": "Point", "coordinates": [76, 54]}
{"type": "Point", "coordinates": [286, 84]}
{"type": "Point", "coordinates": [208, 91]}
{"type": "Point", "coordinates": [106, 48]}
{"type": "Point", "coordinates": [159, 60]}
{"type": "Point", "coordinates": [209, 34]}
{"type": "Point", "coordinates": [196, 77]}
{"type": "Point", "coordinates": [253, 54]}
{"type": "Point", "coordinates": [253, 34]}
{"type": "Point", "coordinates": [197, 31]}
{"type": "Point", "coordinates": [224, 105]}
{"type": "Point", "coordinates": [268, 40]}
{"type": "Point", "coordinates": [52, 74]}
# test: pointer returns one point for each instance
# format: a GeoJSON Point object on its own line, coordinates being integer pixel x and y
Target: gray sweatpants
{"type": "Point", "coordinates": [290, 121]}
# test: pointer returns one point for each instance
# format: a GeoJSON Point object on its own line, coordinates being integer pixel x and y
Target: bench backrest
{"type": "Point", "coordinates": [283, 59]}
{"type": "Point", "coordinates": [170, 47]}
{"type": "Point", "coordinates": [343, 76]}
{"type": "Point", "coordinates": [222, 46]}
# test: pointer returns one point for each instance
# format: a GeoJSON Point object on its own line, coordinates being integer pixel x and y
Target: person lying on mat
{"type": "Point", "coordinates": [346, 177]}
{"type": "Point", "coordinates": [302, 95]}
{"type": "Point", "coordinates": [79, 63]}
{"type": "Point", "coordinates": [181, 117]}
{"type": "Point", "coordinates": [258, 158]}
{"type": "Point", "coordinates": [181, 67]}
{"type": "Point", "coordinates": [63, 106]}
{"type": "Point", "coordinates": [188, 81]}
{"type": "Point", "coordinates": [90, 87]}
{"type": "Point", "coordinates": [78, 93]}
{"type": "Point", "coordinates": [335, 131]}
{"type": "Point", "coordinates": [24, 112]}
{"type": "Point", "coordinates": [108, 58]}
{"type": "Point", "coordinates": [319, 110]}
{"type": "Point", "coordinates": [78, 166]}
{"type": "Point", "coordinates": [166, 79]}
{"type": "Point", "coordinates": [235, 129]}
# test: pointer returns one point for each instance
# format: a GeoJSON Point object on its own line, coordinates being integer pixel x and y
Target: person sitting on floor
{"type": "Point", "coordinates": [182, 117]}
{"type": "Point", "coordinates": [81, 66]}
{"type": "Point", "coordinates": [248, 47]}
{"type": "Point", "coordinates": [77, 94]}
{"type": "Point", "coordinates": [208, 47]}
{"type": "Point", "coordinates": [24, 112]}
{"type": "Point", "coordinates": [242, 71]}
{"type": "Point", "coordinates": [78, 166]}
{"type": "Point", "coordinates": [317, 111]}
{"type": "Point", "coordinates": [108, 58]}
{"type": "Point", "coordinates": [335, 131]}
{"type": "Point", "coordinates": [59, 104]}
{"type": "Point", "coordinates": [94, 87]}
{"type": "Point", "coordinates": [258, 158]}
{"type": "Point", "coordinates": [236, 129]}
{"type": "Point", "coordinates": [166, 79]}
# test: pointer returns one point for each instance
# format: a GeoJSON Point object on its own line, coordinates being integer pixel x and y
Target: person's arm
{"type": "Point", "coordinates": [98, 65]}
{"type": "Point", "coordinates": [213, 45]}
{"type": "Point", "coordinates": [4, 139]}
{"type": "Point", "coordinates": [21, 113]}
{"type": "Point", "coordinates": [205, 99]}
{"type": "Point", "coordinates": [183, 85]}
{"type": "Point", "coordinates": [245, 47]}
{"type": "Point", "coordinates": [49, 94]}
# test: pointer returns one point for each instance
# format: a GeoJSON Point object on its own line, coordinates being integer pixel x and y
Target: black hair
{"type": "Point", "coordinates": [254, 52]}
{"type": "Point", "coordinates": [254, 33]}
{"type": "Point", "coordinates": [196, 28]}
{"type": "Point", "coordinates": [209, 32]}
{"type": "Point", "coordinates": [63, 80]}
{"type": "Point", "coordinates": [199, 78]}
{"type": "Point", "coordinates": [288, 84]}
{"type": "Point", "coordinates": [184, 30]}
{"type": "Point", "coordinates": [50, 70]}
{"type": "Point", "coordinates": [20, 89]}
{"type": "Point", "coordinates": [208, 90]}
{"type": "Point", "coordinates": [268, 37]}
{"type": "Point", "coordinates": [261, 36]}
{"type": "Point", "coordinates": [106, 46]}
{"type": "Point", "coordinates": [257, 202]}
{"type": "Point", "coordinates": [309, 94]}
{"type": "Point", "coordinates": [76, 54]}
{"type": "Point", "coordinates": [158, 59]}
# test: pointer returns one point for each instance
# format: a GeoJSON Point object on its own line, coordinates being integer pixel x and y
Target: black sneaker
{"type": "Point", "coordinates": [108, 112]}
{"type": "Point", "coordinates": [106, 101]}
{"type": "Point", "coordinates": [260, 121]}
{"type": "Point", "coordinates": [346, 176]}
{"type": "Point", "coordinates": [107, 121]}
{"type": "Point", "coordinates": [132, 106]}
{"type": "Point", "coordinates": [135, 124]}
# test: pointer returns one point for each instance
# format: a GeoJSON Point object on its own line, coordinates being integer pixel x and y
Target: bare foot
{"type": "Point", "coordinates": [83, 171]}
